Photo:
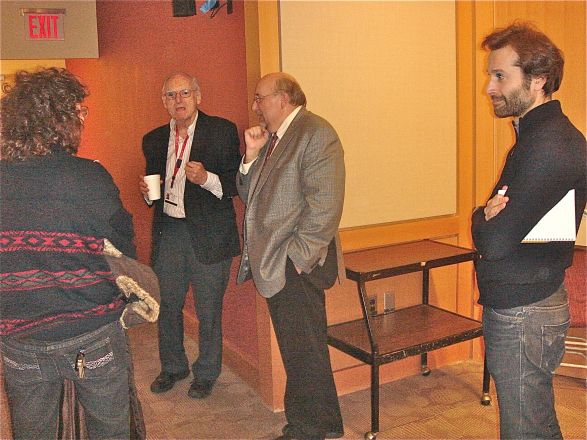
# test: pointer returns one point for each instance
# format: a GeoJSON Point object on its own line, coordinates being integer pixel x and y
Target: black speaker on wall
{"type": "Point", "coordinates": [183, 8]}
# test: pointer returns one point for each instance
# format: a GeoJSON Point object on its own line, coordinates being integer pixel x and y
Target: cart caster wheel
{"type": "Point", "coordinates": [370, 435]}
{"type": "Point", "coordinates": [425, 371]}
{"type": "Point", "coordinates": [486, 399]}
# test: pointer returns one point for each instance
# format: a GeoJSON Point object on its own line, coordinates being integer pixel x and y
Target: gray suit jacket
{"type": "Point", "coordinates": [294, 205]}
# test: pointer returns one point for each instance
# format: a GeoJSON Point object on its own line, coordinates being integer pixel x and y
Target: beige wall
{"type": "Point", "coordinates": [477, 146]}
{"type": "Point", "coordinates": [452, 288]}
{"type": "Point", "coordinates": [9, 67]}
{"type": "Point", "coordinates": [372, 70]}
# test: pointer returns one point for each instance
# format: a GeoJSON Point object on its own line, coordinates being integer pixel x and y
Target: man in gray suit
{"type": "Point", "coordinates": [291, 179]}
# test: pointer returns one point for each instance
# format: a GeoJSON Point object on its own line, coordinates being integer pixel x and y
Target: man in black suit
{"type": "Point", "coordinates": [194, 229]}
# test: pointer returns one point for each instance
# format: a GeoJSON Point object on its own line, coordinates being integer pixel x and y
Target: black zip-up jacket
{"type": "Point", "coordinates": [548, 159]}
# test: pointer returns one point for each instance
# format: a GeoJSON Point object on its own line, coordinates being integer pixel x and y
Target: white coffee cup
{"type": "Point", "coordinates": [153, 181]}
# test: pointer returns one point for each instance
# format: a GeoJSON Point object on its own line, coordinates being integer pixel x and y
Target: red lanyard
{"type": "Point", "coordinates": [178, 161]}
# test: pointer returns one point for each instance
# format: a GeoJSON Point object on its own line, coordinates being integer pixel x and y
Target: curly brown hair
{"type": "Point", "coordinates": [537, 54]}
{"type": "Point", "coordinates": [39, 114]}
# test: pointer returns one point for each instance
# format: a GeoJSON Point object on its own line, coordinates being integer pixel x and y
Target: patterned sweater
{"type": "Point", "coordinates": [55, 212]}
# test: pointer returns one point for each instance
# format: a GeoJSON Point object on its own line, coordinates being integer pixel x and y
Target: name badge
{"type": "Point", "coordinates": [171, 198]}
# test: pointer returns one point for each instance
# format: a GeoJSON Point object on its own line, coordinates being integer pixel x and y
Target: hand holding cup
{"type": "Point", "coordinates": [151, 186]}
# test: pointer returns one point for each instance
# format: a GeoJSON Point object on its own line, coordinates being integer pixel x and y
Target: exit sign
{"type": "Point", "coordinates": [44, 24]}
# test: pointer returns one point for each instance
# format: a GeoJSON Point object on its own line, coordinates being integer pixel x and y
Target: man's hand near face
{"type": "Point", "coordinates": [255, 138]}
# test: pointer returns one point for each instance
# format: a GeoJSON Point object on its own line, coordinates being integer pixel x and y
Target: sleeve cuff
{"type": "Point", "coordinates": [213, 184]}
{"type": "Point", "coordinates": [244, 167]}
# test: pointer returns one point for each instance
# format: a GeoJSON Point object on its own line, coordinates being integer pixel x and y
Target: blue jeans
{"type": "Point", "coordinates": [524, 345]}
{"type": "Point", "coordinates": [34, 374]}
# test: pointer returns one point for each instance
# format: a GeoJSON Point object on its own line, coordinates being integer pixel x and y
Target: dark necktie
{"type": "Point", "coordinates": [270, 149]}
{"type": "Point", "coordinates": [274, 139]}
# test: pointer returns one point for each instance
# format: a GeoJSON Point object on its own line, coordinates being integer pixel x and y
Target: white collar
{"type": "Point", "coordinates": [286, 123]}
{"type": "Point", "coordinates": [191, 128]}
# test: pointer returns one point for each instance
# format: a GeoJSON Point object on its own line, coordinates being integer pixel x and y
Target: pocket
{"type": "Point", "coordinates": [514, 315]}
{"type": "Point", "coordinates": [20, 366]}
{"type": "Point", "coordinates": [545, 345]}
{"type": "Point", "coordinates": [553, 345]}
{"type": "Point", "coordinates": [102, 358]}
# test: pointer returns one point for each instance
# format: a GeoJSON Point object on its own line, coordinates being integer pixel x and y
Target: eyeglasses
{"type": "Point", "coordinates": [83, 111]}
{"type": "Point", "coordinates": [185, 93]}
{"type": "Point", "coordinates": [258, 98]}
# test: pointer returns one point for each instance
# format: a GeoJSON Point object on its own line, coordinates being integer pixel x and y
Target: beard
{"type": "Point", "coordinates": [515, 104]}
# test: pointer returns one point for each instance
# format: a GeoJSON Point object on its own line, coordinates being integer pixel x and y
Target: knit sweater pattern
{"type": "Point", "coordinates": [55, 212]}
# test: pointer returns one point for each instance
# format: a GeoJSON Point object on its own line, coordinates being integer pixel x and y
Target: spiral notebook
{"type": "Point", "coordinates": [558, 224]}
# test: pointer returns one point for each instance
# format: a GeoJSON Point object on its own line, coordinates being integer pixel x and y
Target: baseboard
{"type": "Point", "coordinates": [232, 357]}
{"type": "Point", "coordinates": [241, 365]}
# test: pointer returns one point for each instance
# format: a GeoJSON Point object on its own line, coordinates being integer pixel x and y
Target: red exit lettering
{"type": "Point", "coordinates": [43, 27]}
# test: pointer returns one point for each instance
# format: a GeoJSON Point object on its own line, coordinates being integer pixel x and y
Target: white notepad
{"type": "Point", "coordinates": [558, 224]}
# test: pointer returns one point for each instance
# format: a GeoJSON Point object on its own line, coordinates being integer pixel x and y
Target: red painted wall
{"type": "Point", "coordinates": [140, 44]}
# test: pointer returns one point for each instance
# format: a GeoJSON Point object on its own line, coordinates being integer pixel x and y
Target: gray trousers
{"type": "Point", "coordinates": [177, 269]}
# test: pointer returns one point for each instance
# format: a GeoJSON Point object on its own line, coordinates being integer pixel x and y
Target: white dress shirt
{"type": "Point", "coordinates": [173, 197]}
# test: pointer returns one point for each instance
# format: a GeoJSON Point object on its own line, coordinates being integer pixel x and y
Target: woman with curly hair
{"type": "Point", "coordinates": [59, 306]}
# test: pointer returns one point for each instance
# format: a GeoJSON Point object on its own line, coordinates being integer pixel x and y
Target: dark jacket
{"type": "Point", "coordinates": [55, 212]}
{"type": "Point", "coordinates": [547, 160]}
{"type": "Point", "coordinates": [211, 221]}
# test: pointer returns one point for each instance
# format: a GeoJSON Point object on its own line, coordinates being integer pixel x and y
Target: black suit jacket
{"type": "Point", "coordinates": [211, 221]}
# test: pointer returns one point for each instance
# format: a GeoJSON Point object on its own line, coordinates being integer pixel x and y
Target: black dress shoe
{"type": "Point", "coordinates": [200, 389]}
{"type": "Point", "coordinates": [165, 381]}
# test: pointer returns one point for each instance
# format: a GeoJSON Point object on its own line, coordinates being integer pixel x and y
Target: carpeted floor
{"type": "Point", "coordinates": [444, 405]}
